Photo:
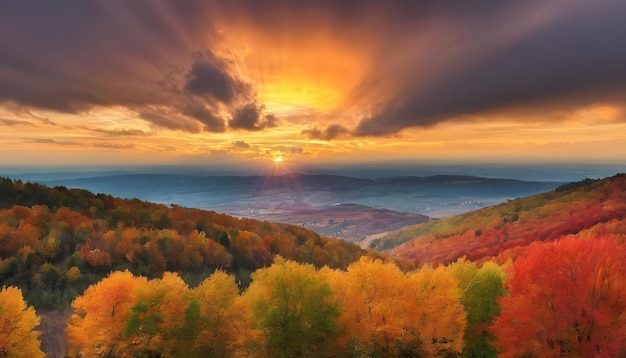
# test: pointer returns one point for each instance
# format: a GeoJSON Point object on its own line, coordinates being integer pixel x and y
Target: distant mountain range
{"type": "Point", "coordinates": [311, 201]}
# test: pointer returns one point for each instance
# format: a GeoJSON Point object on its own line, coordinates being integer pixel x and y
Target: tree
{"type": "Point", "coordinates": [294, 309]}
{"type": "Point", "coordinates": [17, 323]}
{"type": "Point", "coordinates": [437, 315]}
{"type": "Point", "coordinates": [566, 299]}
{"type": "Point", "coordinates": [374, 297]}
{"type": "Point", "coordinates": [212, 328]}
{"type": "Point", "coordinates": [101, 315]}
{"type": "Point", "coordinates": [480, 290]}
{"type": "Point", "coordinates": [157, 315]}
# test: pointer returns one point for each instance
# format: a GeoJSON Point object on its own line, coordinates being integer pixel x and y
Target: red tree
{"type": "Point", "coordinates": [567, 299]}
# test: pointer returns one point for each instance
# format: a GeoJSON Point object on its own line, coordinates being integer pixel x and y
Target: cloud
{"type": "Point", "coordinates": [550, 56]}
{"type": "Point", "coordinates": [241, 144]}
{"type": "Point", "coordinates": [211, 122]}
{"type": "Point", "coordinates": [119, 132]}
{"type": "Point", "coordinates": [50, 141]}
{"type": "Point", "coordinates": [12, 122]}
{"type": "Point", "coordinates": [114, 145]}
{"type": "Point", "coordinates": [141, 55]}
{"type": "Point", "coordinates": [208, 77]}
{"type": "Point", "coordinates": [333, 131]}
{"type": "Point", "coordinates": [424, 62]}
{"type": "Point", "coordinates": [250, 117]}
{"type": "Point", "coordinates": [290, 150]}
{"type": "Point", "coordinates": [166, 118]}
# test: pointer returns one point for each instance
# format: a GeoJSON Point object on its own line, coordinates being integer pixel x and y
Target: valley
{"type": "Point", "coordinates": [333, 205]}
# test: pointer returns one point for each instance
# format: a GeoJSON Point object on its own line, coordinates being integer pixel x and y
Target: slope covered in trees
{"type": "Point", "coordinates": [586, 209]}
{"type": "Point", "coordinates": [55, 242]}
{"type": "Point", "coordinates": [146, 280]}
{"type": "Point", "coordinates": [563, 298]}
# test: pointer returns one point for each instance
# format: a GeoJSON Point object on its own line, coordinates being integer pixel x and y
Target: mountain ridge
{"type": "Point", "coordinates": [503, 231]}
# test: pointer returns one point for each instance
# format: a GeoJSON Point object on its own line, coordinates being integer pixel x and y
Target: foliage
{"type": "Point", "coordinates": [480, 287]}
{"type": "Point", "coordinates": [388, 313]}
{"type": "Point", "coordinates": [127, 315]}
{"type": "Point", "coordinates": [101, 315]}
{"type": "Point", "coordinates": [289, 310]}
{"type": "Point", "coordinates": [505, 231]}
{"type": "Point", "coordinates": [18, 337]}
{"type": "Point", "coordinates": [209, 330]}
{"type": "Point", "coordinates": [437, 314]}
{"type": "Point", "coordinates": [55, 242]}
{"type": "Point", "coordinates": [294, 309]}
{"type": "Point", "coordinates": [150, 280]}
{"type": "Point", "coordinates": [566, 299]}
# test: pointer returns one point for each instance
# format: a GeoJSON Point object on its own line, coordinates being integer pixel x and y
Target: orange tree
{"type": "Point", "coordinates": [100, 315]}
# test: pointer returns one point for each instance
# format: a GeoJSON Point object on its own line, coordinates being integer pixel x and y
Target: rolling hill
{"type": "Point", "coordinates": [57, 242]}
{"type": "Point", "coordinates": [589, 207]}
{"type": "Point", "coordinates": [54, 242]}
{"type": "Point", "coordinates": [349, 208]}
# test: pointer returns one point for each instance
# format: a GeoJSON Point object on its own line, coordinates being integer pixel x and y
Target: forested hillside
{"type": "Point", "coordinates": [585, 209]}
{"type": "Point", "coordinates": [54, 242]}
{"type": "Point", "coordinates": [146, 280]}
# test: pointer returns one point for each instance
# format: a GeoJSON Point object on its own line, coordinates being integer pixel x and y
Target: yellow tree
{"type": "Point", "coordinates": [17, 322]}
{"type": "Point", "coordinates": [437, 319]}
{"type": "Point", "coordinates": [374, 297]}
{"type": "Point", "coordinates": [248, 338]}
{"type": "Point", "coordinates": [101, 314]}
{"type": "Point", "coordinates": [211, 330]}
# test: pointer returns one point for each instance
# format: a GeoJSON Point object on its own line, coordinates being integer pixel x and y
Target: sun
{"type": "Point", "coordinates": [278, 159]}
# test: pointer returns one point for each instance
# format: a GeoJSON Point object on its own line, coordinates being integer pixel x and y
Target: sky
{"type": "Point", "coordinates": [248, 83]}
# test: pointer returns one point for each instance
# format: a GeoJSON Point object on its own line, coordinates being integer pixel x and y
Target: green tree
{"type": "Point", "coordinates": [481, 288]}
{"type": "Point", "coordinates": [294, 309]}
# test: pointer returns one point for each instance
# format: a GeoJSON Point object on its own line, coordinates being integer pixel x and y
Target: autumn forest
{"type": "Point", "coordinates": [538, 276]}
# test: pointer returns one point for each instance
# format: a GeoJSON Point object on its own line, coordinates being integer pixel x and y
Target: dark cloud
{"type": "Point", "coordinates": [168, 119]}
{"type": "Point", "coordinates": [429, 61]}
{"type": "Point", "coordinates": [241, 144]}
{"type": "Point", "coordinates": [141, 54]}
{"type": "Point", "coordinates": [575, 59]}
{"type": "Point", "coordinates": [331, 132]}
{"type": "Point", "coordinates": [211, 121]}
{"type": "Point", "coordinates": [250, 117]}
{"type": "Point", "coordinates": [70, 58]}
{"type": "Point", "coordinates": [208, 77]}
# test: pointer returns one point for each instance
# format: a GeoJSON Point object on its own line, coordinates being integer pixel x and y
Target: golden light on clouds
{"type": "Point", "coordinates": [295, 74]}
{"type": "Point", "coordinates": [313, 82]}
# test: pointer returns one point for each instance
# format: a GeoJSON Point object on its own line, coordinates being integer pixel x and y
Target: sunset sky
{"type": "Point", "coordinates": [245, 82]}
